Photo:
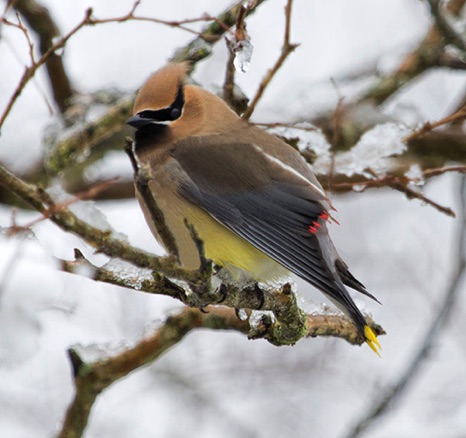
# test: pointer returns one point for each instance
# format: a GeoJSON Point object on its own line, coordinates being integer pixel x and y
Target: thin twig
{"type": "Point", "coordinates": [337, 116]}
{"type": "Point", "coordinates": [299, 126]}
{"type": "Point", "coordinates": [396, 391]}
{"type": "Point", "coordinates": [240, 25]}
{"type": "Point", "coordinates": [240, 35]}
{"type": "Point", "coordinates": [23, 29]}
{"type": "Point", "coordinates": [429, 173]}
{"type": "Point", "coordinates": [400, 183]}
{"type": "Point", "coordinates": [41, 22]}
{"type": "Point", "coordinates": [30, 71]}
{"type": "Point", "coordinates": [287, 49]}
{"type": "Point", "coordinates": [429, 126]}
{"type": "Point", "coordinates": [413, 194]}
{"type": "Point", "coordinates": [180, 24]}
{"type": "Point", "coordinates": [130, 16]}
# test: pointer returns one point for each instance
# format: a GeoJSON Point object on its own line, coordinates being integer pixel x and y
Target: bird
{"type": "Point", "coordinates": [252, 199]}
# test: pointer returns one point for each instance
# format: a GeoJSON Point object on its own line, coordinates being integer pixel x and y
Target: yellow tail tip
{"type": "Point", "coordinates": [371, 340]}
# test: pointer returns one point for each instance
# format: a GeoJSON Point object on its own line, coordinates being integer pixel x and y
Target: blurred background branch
{"type": "Point", "coordinates": [42, 24]}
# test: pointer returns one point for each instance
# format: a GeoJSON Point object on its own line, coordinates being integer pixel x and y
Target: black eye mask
{"type": "Point", "coordinates": [169, 114]}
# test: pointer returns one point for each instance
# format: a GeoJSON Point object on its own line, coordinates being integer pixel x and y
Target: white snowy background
{"type": "Point", "coordinates": [215, 383]}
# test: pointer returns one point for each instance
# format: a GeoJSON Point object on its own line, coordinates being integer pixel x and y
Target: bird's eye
{"type": "Point", "coordinates": [175, 113]}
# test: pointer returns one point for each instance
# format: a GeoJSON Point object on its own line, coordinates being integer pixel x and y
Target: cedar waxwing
{"type": "Point", "coordinates": [251, 198]}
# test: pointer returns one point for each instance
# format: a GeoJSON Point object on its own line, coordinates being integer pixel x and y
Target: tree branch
{"type": "Point", "coordinates": [401, 184]}
{"type": "Point", "coordinates": [428, 54]}
{"type": "Point", "coordinates": [458, 115]}
{"type": "Point", "coordinates": [102, 240]}
{"type": "Point", "coordinates": [40, 20]}
{"type": "Point", "coordinates": [229, 82]}
{"type": "Point", "coordinates": [90, 193]}
{"type": "Point", "coordinates": [288, 328]}
{"type": "Point", "coordinates": [197, 49]}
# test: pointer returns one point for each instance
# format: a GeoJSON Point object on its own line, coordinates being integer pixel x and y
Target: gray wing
{"type": "Point", "coordinates": [270, 208]}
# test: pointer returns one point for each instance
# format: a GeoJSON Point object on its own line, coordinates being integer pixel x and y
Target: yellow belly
{"type": "Point", "coordinates": [221, 245]}
{"type": "Point", "coordinates": [227, 249]}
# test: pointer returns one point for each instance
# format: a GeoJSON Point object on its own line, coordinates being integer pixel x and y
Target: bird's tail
{"type": "Point", "coordinates": [339, 294]}
{"type": "Point", "coordinates": [342, 299]}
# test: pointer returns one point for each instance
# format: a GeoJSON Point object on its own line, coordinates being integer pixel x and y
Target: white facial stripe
{"type": "Point", "coordinates": [291, 170]}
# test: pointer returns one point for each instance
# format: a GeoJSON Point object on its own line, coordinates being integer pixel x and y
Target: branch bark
{"type": "Point", "coordinates": [458, 115]}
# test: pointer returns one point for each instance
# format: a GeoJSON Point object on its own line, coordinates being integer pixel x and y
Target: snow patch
{"type": "Point", "coordinates": [370, 155]}
{"type": "Point", "coordinates": [132, 276]}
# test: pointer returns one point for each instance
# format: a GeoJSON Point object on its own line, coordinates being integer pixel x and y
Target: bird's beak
{"type": "Point", "coordinates": [137, 121]}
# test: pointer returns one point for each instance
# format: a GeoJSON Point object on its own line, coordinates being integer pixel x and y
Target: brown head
{"type": "Point", "coordinates": [188, 110]}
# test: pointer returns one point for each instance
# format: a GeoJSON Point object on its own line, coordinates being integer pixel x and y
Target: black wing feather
{"type": "Point", "coordinates": [303, 264]}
